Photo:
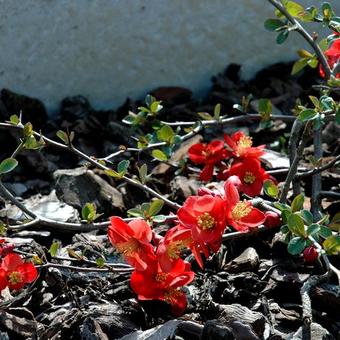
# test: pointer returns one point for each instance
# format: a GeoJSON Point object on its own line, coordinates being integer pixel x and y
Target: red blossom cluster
{"type": "Point", "coordinates": [234, 157]}
{"type": "Point", "coordinates": [14, 272]}
{"type": "Point", "coordinates": [160, 273]}
{"type": "Point", "coordinates": [333, 57]}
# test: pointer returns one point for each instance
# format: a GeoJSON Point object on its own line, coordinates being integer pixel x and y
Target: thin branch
{"type": "Point", "coordinates": [292, 146]}
{"type": "Point", "coordinates": [300, 29]}
{"type": "Point", "coordinates": [293, 168]}
{"type": "Point", "coordinates": [312, 172]}
{"type": "Point", "coordinates": [316, 179]}
{"type": "Point", "coordinates": [85, 269]}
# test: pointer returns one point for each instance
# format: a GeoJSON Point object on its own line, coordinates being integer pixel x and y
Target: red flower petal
{"type": "Point", "coordinates": [28, 271]}
{"type": "Point", "coordinates": [3, 279]}
{"type": "Point", "coordinates": [11, 261]}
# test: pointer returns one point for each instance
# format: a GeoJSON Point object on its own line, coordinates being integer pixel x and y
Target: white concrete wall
{"type": "Point", "coordinates": [107, 50]}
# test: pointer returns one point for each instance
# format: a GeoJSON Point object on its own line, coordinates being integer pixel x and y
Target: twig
{"type": "Point", "coordinates": [294, 165]}
{"type": "Point", "coordinates": [316, 179]}
{"type": "Point", "coordinates": [84, 269]}
{"type": "Point", "coordinates": [300, 29]}
{"type": "Point", "coordinates": [330, 194]}
{"type": "Point", "coordinates": [292, 146]}
{"type": "Point", "coordinates": [329, 165]}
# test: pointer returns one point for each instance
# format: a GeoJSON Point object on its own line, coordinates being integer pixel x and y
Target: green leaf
{"type": "Point", "coordinates": [156, 106]}
{"type": "Point", "coordinates": [308, 114]}
{"type": "Point", "coordinates": [294, 9]}
{"type": "Point", "coordinates": [54, 248]}
{"type": "Point", "coordinates": [14, 119]}
{"type": "Point", "coordinates": [313, 62]}
{"type": "Point", "coordinates": [297, 203]}
{"type": "Point", "coordinates": [217, 111]}
{"type": "Point", "coordinates": [100, 262]}
{"type": "Point", "coordinates": [332, 245]}
{"type": "Point", "coordinates": [166, 134]}
{"type": "Point", "coordinates": [265, 109]}
{"type": "Point", "coordinates": [281, 206]}
{"type": "Point", "coordinates": [315, 101]}
{"type": "Point", "coordinates": [155, 207]}
{"type": "Point", "coordinates": [323, 44]}
{"type": "Point", "coordinates": [335, 222]}
{"type": "Point", "coordinates": [282, 37]}
{"type": "Point", "coordinates": [135, 212]}
{"type": "Point", "coordinates": [304, 54]}
{"type": "Point", "coordinates": [159, 154]}
{"type": "Point", "coordinates": [307, 216]}
{"type": "Point", "coordinates": [142, 171]}
{"type": "Point", "coordinates": [123, 166]}
{"type": "Point", "coordinates": [284, 229]}
{"type": "Point", "coordinates": [270, 188]}
{"type": "Point", "coordinates": [205, 115]}
{"type": "Point", "coordinates": [327, 11]}
{"type": "Point", "coordinates": [159, 218]}
{"type": "Point", "coordinates": [296, 245]}
{"type": "Point", "coordinates": [63, 136]}
{"type": "Point", "coordinates": [113, 173]}
{"type": "Point", "coordinates": [28, 130]}
{"type": "Point", "coordinates": [285, 214]}
{"type": "Point", "coordinates": [273, 24]}
{"type": "Point", "coordinates": [313, 229]}
{"type": "Point", "coordinates": [299, 65]}
{"type": "Point", "coordinates": [325, 232]}
{"type": "Point", "coordinates": [296, 225]}
{"type": "Point", "coordinates": [149, 100]}
{"type": "Point", "coordinates": [88, 211]}
{"type": "Point", "coordinates": [7, 165]}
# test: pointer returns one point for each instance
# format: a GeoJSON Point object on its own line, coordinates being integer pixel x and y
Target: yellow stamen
{"type": "Point", "coordinates": [249, 178]}
{"type": "Point", "coordinates": [205, 221]}
{"type": "Point", "coordinates": [240, 210]}
{"type": "Point", "coordinates": [243, 143]}
{"type": "Point", "coordinates": [175, 247]}
{"type": "Point", "coordinates": [15, 277]}
{"type": "Point", "coordinates": [160, 277]}
{"type": "Point", "coordinates": [128, 248]}
{"type": "Point", "coordinates": [172, 295]}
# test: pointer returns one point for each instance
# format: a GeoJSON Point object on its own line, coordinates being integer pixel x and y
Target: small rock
{"type": "Point", "coordinates": [17, 189]}
{"type": "Point", "coordinates": [236, 312]}
{"type": "Point", "coordinates": [248, 260]}
{"type": "Point", "coordinates": [45, 206]}
{"type": "Point", "coordinates": [79, 186]}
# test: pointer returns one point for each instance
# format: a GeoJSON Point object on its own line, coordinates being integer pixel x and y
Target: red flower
{"type": "Point", "coordinates": [15, 273]}
{"type": "Point", "coordinates": [240, 215]}
{"type": "Point", "coordinates": [133, 241]}
{"type": "Point", "coordinates": [205, 216]}
{"type": "Point", "coordinates": [170, 247]}
{"type": "Point", "coordinates": [208, 154]}
{"type": "Point", "coordinates": [333, 56]}
{"type": "Point", "coordinates": [251, 174]}
{"type": "Point", "coordinates": [241, 146]}
{"type": "Point", "coordinates": [156, 284]}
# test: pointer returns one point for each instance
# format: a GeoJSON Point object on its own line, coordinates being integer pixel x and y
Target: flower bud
{"type": "Point", "coordinates": [272, 219]}
{"type": "Point", "coordinates": [310, 254]}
